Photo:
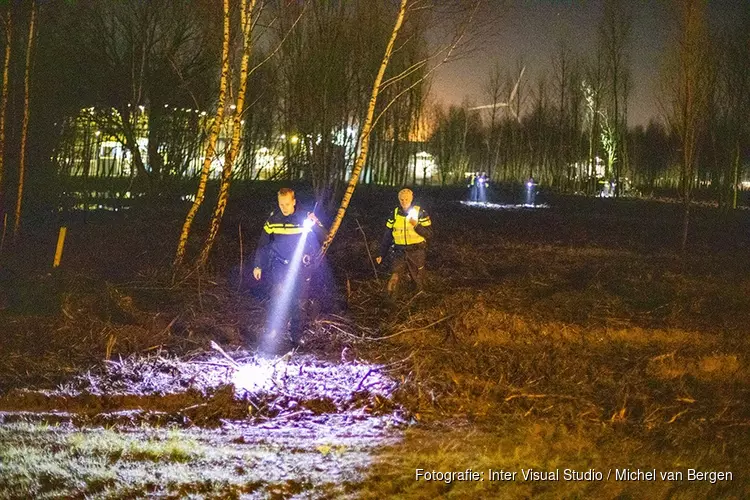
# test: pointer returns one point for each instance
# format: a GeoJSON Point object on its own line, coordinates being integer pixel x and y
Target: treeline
{"type": "Point", "coordinates": [309, 86]}
{"type": "Point", "coordinates": [569, 127]}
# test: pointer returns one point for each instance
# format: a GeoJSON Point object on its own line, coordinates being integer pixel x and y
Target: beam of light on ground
{"type": "Point", "coordinates": [280, 304]}
{"type": "Point", "coordinates": [503, 206]}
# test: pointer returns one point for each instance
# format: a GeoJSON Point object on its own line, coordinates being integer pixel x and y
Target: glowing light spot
{"type": "Point", "coordinates": [253, 377]}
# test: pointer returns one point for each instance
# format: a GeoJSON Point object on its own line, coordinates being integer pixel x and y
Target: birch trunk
{"type": "Point", "coordinates": [4, 99]}
{"type": "Point", "coordinates": [25, 123]}
{"type": "Point", "coordinates": [231, 155]}
{"type": "Point", "coordinates": [211, 146]}
{"type": "Point", "coordinates": [366, 129]}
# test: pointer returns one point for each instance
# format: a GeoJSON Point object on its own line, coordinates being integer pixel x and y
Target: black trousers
{"type": "Point", "coordinates": [408, 261]}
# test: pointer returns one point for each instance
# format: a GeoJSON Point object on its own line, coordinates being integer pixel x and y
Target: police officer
{"type": "Point", "coordinates": [407, 229]}
{"type": "Point", "coordinates": [483, 179]}
{"type": "Point", "coordinates": [473, 186]}
{"type": "Point", "coordinates": [277, 247]}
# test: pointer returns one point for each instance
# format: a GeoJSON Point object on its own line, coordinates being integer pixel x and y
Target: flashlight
{"type": "Point", "coordinates": [308, 224]}
{"type": "Point", "coordinates": [413, 214]}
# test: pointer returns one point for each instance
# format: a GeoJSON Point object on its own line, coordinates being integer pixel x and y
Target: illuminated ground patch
{"type": "Point", "coordinates": [502, 206]}
{"type": "Point", "coordinates": [168, 426]}
{"type": "Point", "coordinates": [212, 389]}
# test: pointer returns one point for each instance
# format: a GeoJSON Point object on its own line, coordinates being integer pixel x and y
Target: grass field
{"type": "Point", "coordinates": [571, 338]}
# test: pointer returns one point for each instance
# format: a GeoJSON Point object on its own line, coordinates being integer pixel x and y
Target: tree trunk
{"type": "Point", "coordinates": [736, 176]}
{"type": "Point", "coordinates": [211, 146]}
{"type": "Point", "coordinates": [231, 155]}
{"type": "Point", "coordinates": [25, 122]}
{"type": "Point", "coordinates": [367, 127]}
{"type": "Point", "coordinates": [4, 100]}
{"type": "Point", "coordinates": [685, 224]}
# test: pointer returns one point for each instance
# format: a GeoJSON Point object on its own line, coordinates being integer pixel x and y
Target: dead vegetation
{"type": "Point", "coordinates": [548, 338]}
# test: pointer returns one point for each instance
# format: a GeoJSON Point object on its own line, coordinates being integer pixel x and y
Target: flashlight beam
{"type": "Point", "coordinates": [281, 308]}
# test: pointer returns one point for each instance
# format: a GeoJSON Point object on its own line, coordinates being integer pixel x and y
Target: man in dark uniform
{"type": "Point", "coordinates": [408, 230]}
{"type": "Point", "coordinates": [284, 255]}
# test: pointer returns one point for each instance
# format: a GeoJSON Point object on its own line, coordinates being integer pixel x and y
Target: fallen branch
{"type": "Point", "coordinates": [359, 386]}
{"type": "Point", "coordinates": [217, 347]}
{"type": "Point", "coordinates": [410, 330]}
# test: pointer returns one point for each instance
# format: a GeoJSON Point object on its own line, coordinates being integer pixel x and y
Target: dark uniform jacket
{"type": "Point", "coordinates": [400, 233]}
{"type": "Point", "coordinates": [280, 237]}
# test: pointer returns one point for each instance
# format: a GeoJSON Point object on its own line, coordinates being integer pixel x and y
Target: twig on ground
{"type": "Point", "coordinates": [409, 330]}
{"type": "Point", "coordinates": [239, 282]}
{"type": "Point", "coordinates": [359, 386]}
{"type": "Point", "coordinates": [221, 351]}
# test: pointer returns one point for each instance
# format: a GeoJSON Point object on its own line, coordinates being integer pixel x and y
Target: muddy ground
{"type": "Point", "coordinates": [571, 337]}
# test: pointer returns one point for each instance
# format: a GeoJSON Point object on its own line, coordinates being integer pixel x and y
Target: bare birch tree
{"type": "Point", "coordinates": [687, 94]}
{"type": "Point", "coordinates": [614, 35]}
{"type": "Point", "coordinates": [8, 31]}
{"type": "Point", "coordinates": [493, 90]}
{"type": "Point", "coordinates": [371, 119]}
{"type": "Point", "coordinates": [25, 121]}
{"type": "Point", "coordinates": [366, 128]}
{"type": "Point", "coordinates": [246, 22]}
{"type": "Point", "coordinates": [212, 140]}
{"type": "Point", "coordinates": [730, 108]}
{"type": "Point", "coordinates": [592, 90]}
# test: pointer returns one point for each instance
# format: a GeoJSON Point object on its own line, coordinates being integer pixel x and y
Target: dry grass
{"type": "Point", "coordinates": [558, 339]}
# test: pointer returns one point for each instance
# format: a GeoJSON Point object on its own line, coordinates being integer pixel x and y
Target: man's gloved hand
{"type": "Point", "coordinates": [256, 273]}
{"type": "Point", "coordinates": [314, 218]}
{"type": "Point", "coordinates": [413, 222]}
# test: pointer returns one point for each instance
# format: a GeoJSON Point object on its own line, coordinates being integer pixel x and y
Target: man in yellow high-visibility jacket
{"type": "Point", "coordinates": [407, 230]}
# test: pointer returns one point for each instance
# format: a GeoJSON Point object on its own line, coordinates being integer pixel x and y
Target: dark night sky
{"type": "Point", "coordinates": [531, 30]}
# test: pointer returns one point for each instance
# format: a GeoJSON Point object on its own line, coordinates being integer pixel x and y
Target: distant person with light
{"type": "Point", "coordinates": [284, 256]}
{"type": "Point", "coordinates": [473, 189]}
{"type": "Point", "coordinates": [407, 231]}
{"type": "Point", "coordinates": [531, 192]}
{"type": "Point", "coordinates": [483, 179]}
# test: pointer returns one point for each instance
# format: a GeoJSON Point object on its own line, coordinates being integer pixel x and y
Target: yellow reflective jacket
{"type": "Point", "coordinates": [401, 233]}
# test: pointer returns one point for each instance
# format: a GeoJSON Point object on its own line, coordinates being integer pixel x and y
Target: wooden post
{"type": "Point", "coordinates": [60, 244]}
